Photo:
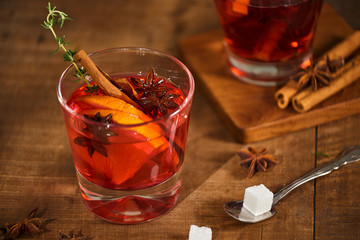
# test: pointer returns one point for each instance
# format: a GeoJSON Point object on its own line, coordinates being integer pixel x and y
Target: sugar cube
{"type": "Point", "coordinates": [200, 233]}
{"type": "Point", "coordinates": [258, 199]}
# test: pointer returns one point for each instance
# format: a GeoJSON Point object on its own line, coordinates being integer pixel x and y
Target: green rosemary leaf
{"type": "Point", "coordinates": [45, 25]}
{"type": "Point", "coordinates": [51, 22]}
{"type": "Point", "coordinates": [49, 8]}
{"type": "Point", "coordinates": [91, 89]}
{"type": "Point", "coordinates": [70, 53]}
{"type": "Point", "coordinates": [67, 58]}
{"type": "Point", "coordinates": [322, 155]}
{"type": "Point", "coordinates": [56, 50]}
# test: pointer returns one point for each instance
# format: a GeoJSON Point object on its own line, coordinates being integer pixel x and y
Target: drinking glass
{"type": "Point", "coordinates": [129, 173]}
{"type": "Point", "coordinates": [266, 41]}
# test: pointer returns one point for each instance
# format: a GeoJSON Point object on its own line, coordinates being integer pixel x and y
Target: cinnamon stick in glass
{"type": "Point", "coordinates": [101, 79]}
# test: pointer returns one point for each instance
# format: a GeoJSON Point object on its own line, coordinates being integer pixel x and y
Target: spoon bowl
{"type": "Point", "coordinates": [237, 211]}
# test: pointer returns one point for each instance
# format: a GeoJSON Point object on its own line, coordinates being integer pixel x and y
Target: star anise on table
{"type": "Point", "coordinates": [30, 225]}
{"type": "Point", "coordinates": [156, 103]}
{"type": "Point", "coordinates": [256, 160]}
{"type": "Point", "coordinates": [100, 134]}
{"type": "Point", "coordinates": [73, 236]}
{"type": "Point", "coordinates": [150, 84]}
{"type": "Point", "coordinates": [319, 74]}
{"type": "Point", "coordinates": [2, 231]}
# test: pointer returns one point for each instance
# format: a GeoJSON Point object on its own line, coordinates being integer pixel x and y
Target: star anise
{"type": "Point", "coordinates": [100, 134]}
{"type": "Point", "coordinates": [73, 236]}
{"type": "Point", "coordinates": [256, 160]}
{"type": "Point", "coordinates": [30, 225]}
{"type": "Point", "coordinates": [2, 231]}
{"type": "Point", "coordinates": [92, 145]}
{"type": "Point", "coordinates": [333, 64]}
{"type": "Point", "coordinates": [150, 84]}
{"type": "Point", "coordinates": [319, 74]}
{"type": "Point", "coordinates": [156, 103]}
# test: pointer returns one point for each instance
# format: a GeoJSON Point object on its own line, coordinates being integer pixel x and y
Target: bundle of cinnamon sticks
{"type": "Point", "coordinates": [303, 100]}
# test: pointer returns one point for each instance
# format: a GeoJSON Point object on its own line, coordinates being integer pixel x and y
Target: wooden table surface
{"type": "Point", "coordinates": [36, 168]}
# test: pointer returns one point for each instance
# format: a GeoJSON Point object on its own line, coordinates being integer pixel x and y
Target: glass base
{"type": "Point", "coordinates": [131, 207]}
{"type": "Point", "coordinates": [263, 73]}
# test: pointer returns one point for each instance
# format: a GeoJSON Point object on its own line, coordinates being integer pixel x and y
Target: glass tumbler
{"type": "Point", "coordinates": [266, 41]}
{"type": "Point", "coordinates": [129, 173]}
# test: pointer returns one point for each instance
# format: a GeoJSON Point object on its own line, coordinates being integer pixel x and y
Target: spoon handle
{"type": "Point", "coordinates": [349, 155]}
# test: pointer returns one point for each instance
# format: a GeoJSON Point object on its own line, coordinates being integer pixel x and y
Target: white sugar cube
{"type": "Point", "coordinates": [258, 199]}
{"type": "Point", "coordinates": [200, 233]}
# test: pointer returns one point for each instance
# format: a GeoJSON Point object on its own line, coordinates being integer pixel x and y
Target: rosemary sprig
{"type": "Point", "coordinates": [58, 17]}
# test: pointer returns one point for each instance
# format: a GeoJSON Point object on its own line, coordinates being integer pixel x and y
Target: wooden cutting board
{"type": "Point", "coordinates": [250, 112]}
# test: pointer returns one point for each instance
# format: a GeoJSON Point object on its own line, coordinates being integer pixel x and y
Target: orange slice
{"type": "Point", "coordinates": [241, 6]}
{"type": "Point", "coordinates": [131, 156]}
{"type": "Point", "coordinates": [108, 102]}
{"type": "Point", "coordinates": [150, 131]}
{"type": "Point", "coordinates": [122, 113]}
{"type": "Point", "coordinates": [148, 139]}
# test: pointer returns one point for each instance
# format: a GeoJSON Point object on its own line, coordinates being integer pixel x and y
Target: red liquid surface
{"type": "Point", "coordinates": [268, 34]}
{"type": "Point", "coordinates": [132, 161]}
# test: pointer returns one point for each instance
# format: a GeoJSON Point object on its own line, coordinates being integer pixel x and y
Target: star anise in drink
{"type": "Point", "coordinates": [30, 225]}
{"type": "Point", "coordinates": [319, 74]}
{"type": "Point", "coordinates": [256, 160]}
{"type": "Point", "coordinates": [92, 145]}
{"type": "Point", "coordinates": [155, 103]}
{"type": "Point", "coordinates": [100, 134]}
{"type": "Point", "coordinates": [149, 85]}
{"type": "Point", "coordinates": [155, 96]}
{"type": "Point", "coordinates": [73, 236]}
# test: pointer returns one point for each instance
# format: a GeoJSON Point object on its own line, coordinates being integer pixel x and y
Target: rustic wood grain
{"type": "Point", "coordinates": [337, 195]}
{"type": "Point", "coordinates": [36, 168]}
{"type": "Point", "coordinates": [250, 112]}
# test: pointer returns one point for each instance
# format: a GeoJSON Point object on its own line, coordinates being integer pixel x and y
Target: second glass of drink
{"type": "Point", "coordinates": [266, 41]}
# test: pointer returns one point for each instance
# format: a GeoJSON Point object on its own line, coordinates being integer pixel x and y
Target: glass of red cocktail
{"type": "Point", "coordinates": [266, 41]}
{"type": "Point", "coordinates": [129, 158]}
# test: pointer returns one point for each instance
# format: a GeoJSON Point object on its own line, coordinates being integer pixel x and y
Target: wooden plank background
{"type": "Point", "coordinates": [36, 168]}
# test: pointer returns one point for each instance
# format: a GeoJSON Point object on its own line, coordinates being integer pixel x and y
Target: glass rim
{"type": "Point", "coordinates": [185, 103]}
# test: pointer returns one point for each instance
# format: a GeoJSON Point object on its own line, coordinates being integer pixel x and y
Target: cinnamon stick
{"type": "Point", "coordinates": [124, 84]}
{"type": "Point", "coordinates": [307, 98]}
{"type": "Point", "coordinates": [344, 49]}
{"type": "Point", "coordinates": [101, 79]}
{"type": "Point", "coordinates": [283, 95]}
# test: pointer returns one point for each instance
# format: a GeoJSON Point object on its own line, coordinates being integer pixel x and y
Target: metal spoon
{"type": "Point", "coordinates": [235, 209]}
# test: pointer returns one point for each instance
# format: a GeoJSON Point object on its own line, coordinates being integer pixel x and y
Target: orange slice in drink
{"type": "Point", "coordinates": [135, 144]}
{"type": "Point", "coordinates": [108, 102]}
{"type": "Point", "coordinates": [151, 131]}
{"type": "Point", "coordinates": [240, 6]}
{"type": "Point", "coordinates": [130, 155]}
{"type": "Point", "coordinates": [122, 113]}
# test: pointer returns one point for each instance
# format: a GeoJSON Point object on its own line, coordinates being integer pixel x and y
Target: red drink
{"type": "Point", "coordinates": [268, 32]}
{"type": "Point", "coordinates": [129, 162]}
